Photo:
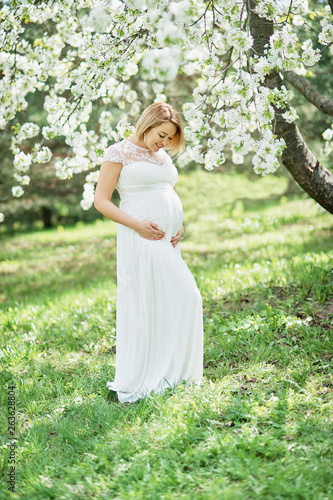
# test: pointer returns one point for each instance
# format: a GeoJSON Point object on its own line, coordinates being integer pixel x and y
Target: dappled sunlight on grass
{"type": "Point", "coordinates": [260, 426]}
{"type": "Point", "coordinates": [52, 268]}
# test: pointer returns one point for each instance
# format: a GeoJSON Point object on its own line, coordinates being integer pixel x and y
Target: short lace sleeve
{"type": "Point", "coordinates": [113, 153]}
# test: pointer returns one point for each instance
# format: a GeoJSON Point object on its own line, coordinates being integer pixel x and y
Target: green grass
{"type": "Point", "coordinates": [260, 427]}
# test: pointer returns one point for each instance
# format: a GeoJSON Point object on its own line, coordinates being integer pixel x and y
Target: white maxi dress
{"type": "Point", "coordinates": [159, 325]}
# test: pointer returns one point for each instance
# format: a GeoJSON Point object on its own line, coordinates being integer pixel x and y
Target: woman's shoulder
{"type": "Point", "coordinates": [114, 152]}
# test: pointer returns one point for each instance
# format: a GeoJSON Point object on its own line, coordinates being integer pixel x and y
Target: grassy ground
{"type": "Point", "coordinates": [260, 427]}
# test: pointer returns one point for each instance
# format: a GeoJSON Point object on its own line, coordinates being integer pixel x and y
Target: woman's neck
{"type": "Point", "coordinates": [137, 142]}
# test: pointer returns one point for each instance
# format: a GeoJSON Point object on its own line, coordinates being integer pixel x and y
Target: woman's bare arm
{"type": "Point", "coordinates": [106, 184]}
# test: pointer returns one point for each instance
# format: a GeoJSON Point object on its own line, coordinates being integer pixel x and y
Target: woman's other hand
{"type": "Point", "coordinates": [176, 239]}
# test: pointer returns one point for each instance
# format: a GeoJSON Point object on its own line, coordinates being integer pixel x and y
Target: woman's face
{"type": "Point", "coordinates": [160, 136]}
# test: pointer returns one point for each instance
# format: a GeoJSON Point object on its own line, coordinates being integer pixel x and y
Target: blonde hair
{"type": "Point", "coordinates": [158, 113]}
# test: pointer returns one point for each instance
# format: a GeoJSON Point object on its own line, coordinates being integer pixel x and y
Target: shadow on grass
{"type": "Point", "coordinates": [90, 436]}
{"type": "Point", "coordinates": [52, 270]}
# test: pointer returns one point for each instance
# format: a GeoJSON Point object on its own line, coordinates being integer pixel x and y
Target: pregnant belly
{"type": "Point", "coordinates": [164, 209]}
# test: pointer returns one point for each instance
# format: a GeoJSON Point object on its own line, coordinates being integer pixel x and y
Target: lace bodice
{"type": "Point", "coordinates": [125, 152]}
{"type": "Point", "coordinates": [142, 170]}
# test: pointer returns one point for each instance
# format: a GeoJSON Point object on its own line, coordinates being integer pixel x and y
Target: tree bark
{"type": "Point", "coordinates": [321, 102]}
{"type": "Point", "coordinates": [315, 179]}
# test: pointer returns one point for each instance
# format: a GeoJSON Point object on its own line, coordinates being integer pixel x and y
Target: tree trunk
{"type": "Point", "coordinates": [47, 217]}
{"type": "Point", "coordinates": [315, 179]}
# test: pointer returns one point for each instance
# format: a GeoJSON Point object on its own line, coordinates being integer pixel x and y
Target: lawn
{"type": "Point", "coordinates": [260, 427]}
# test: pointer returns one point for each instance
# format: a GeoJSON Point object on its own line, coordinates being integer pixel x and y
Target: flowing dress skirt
{"type": "Point", "coordinates": [159, 339]}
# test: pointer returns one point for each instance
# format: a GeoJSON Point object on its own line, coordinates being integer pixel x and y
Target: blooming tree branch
{"type": "Point", "coordinates": [91, 51]}
{"type": "Point", "coordinates": [297, 157]}
{"type": "Point", "coordinates": [310, 93]}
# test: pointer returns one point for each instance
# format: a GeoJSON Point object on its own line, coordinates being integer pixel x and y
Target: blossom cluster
{"type": "Point", "coordinates": [325, 37]}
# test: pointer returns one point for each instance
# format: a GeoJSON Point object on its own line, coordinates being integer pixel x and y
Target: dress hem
{"type": "Point", "coordinates": [131, 397]}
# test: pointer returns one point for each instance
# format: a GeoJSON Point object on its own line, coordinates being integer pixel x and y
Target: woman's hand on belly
{"type": "Point", "coordinates": [176, 239]}
{"type": "Point", "coordinates": [150, 230]}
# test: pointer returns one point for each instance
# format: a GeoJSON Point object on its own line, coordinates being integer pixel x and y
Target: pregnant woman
{"type": "Point", "coordinates": [159, 328]}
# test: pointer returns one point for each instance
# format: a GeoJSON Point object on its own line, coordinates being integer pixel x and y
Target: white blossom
{"type": "Point", "coordinates": [283, 49]}
{"type": "Point", "coordinates": [268, 149]}
{"type": "Point", "coordinates": [267, 9]}
{"type": "Point", "coordinates": [98, 19]}
{"type": "Point", "coordinates": [43, 155]}
{"type": "Point", "coordinates": [328, 134]}
{"type": "Point", "coordinates": [88, 196]}
{"type": "Point", "coordinates": [290, 115]}
{"type": "Point", "coordinates": [181, 10]}
{"type": "Point", "coordinates": [168, 32]}
{"type": "Point", "coordinates": [22, 161]}
{"type": "Point", "coordinates": [197, 154]}
{"type": "Point", "coordinates": [233, 117]}
{"type": "Point", "coordinates": [300, 7]}
{"type": "Point", "coordinates": [86, 204]}
{"type": "Point", "coordinates": [237, 158]}
{"type": "Point", "coordinates": [190, 111]}
{"type": "Point", "coordinates": [92, 177]}
{"type": "Point", "coordinates": [63, 169]}
{"type": "Point", "coordinates": [17, 191]}
{"type": "Point", "coordinates": [189, 134]}
{"type": "Point", "coordinates": [164, 63]}
{"type": "Point", "coordinates": [124, 128]}
{"type": "Point", "coordinates": [24, 180]}
{"type": "Point", "coordinates": [298, 20]}
{"type": "Point", "coordinates": [27, 130]}
{"type": "Point", "coordinates": [242, 143]}
{"type": "Point", "coordinates": [326, 35]}
{"type": "Point", "coordinates": [310, 56]}
{"type": "Point", "coordinates": [199, 97]}
{"type": "Point", "coordinates": [184, 159]}
{"type": "Point", "coordinates": [239, 39]}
